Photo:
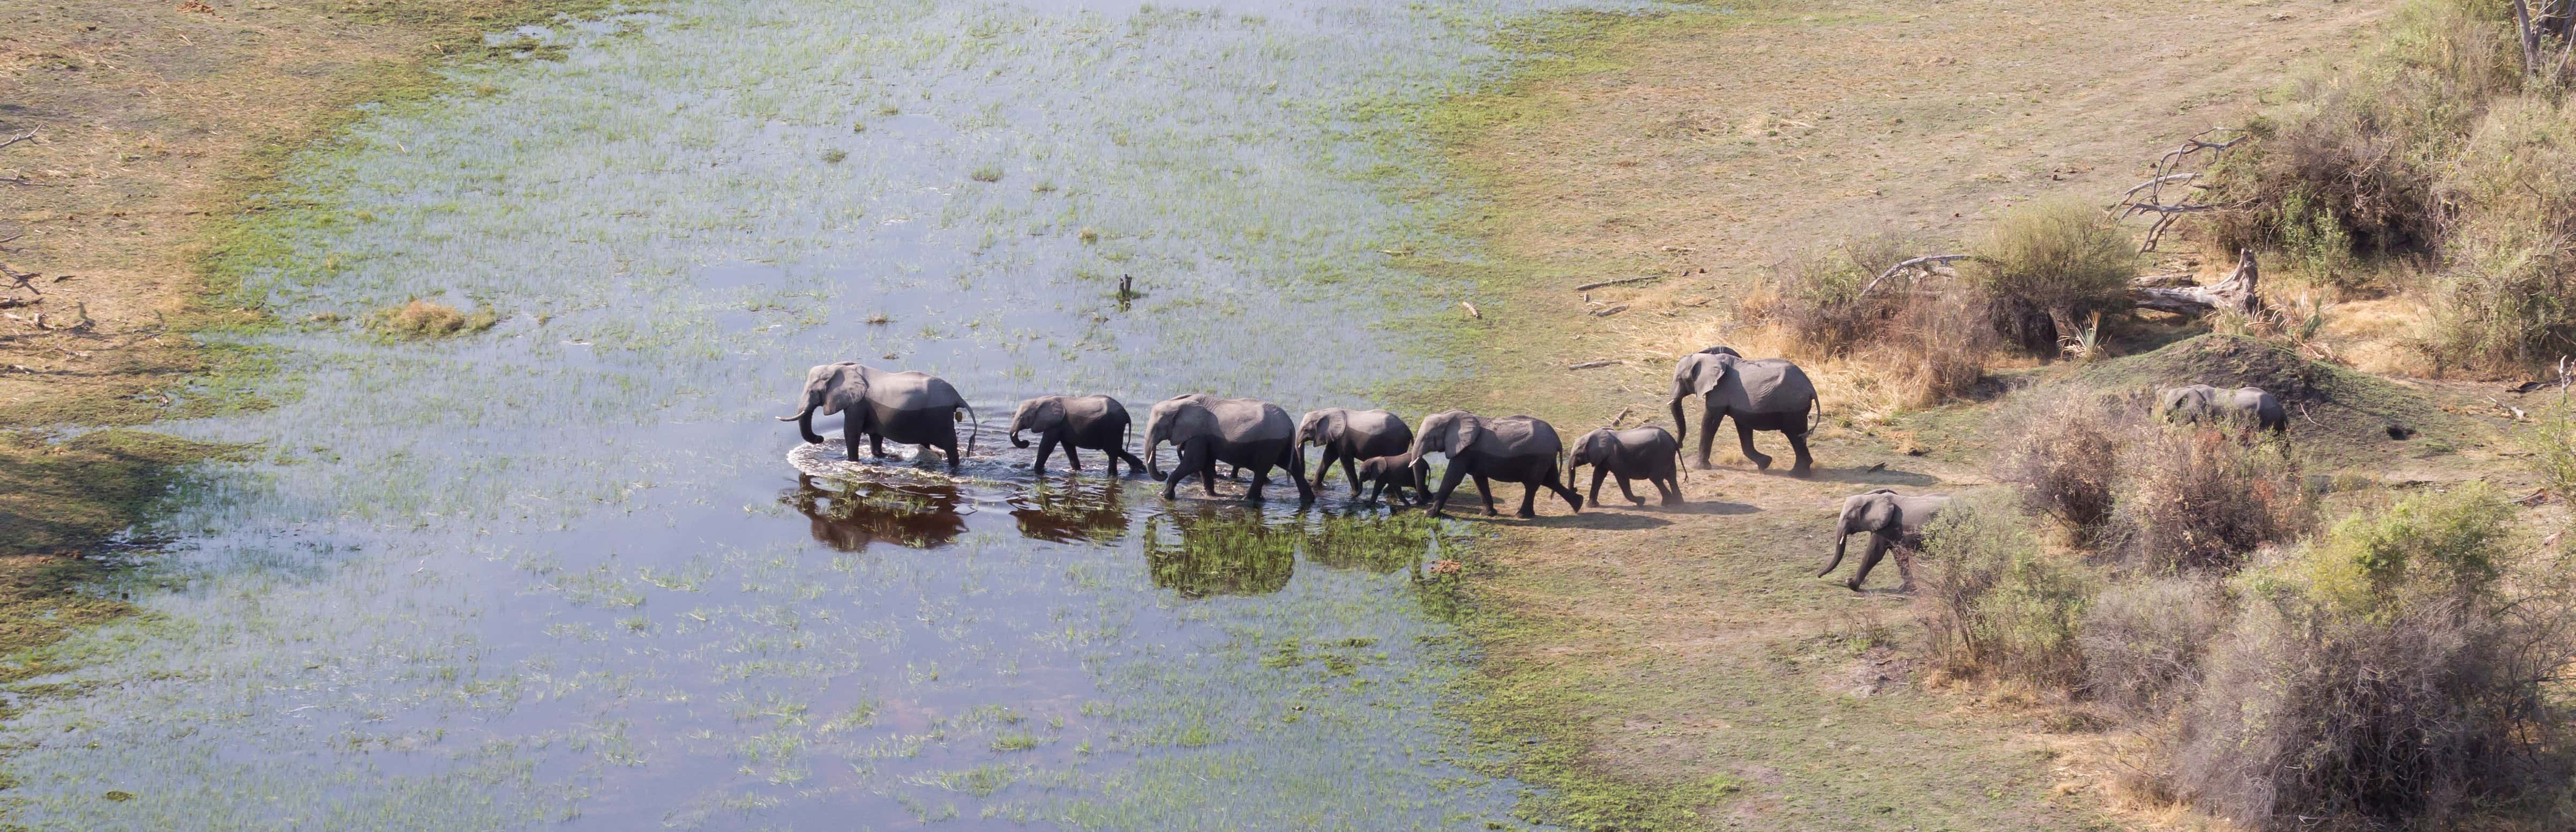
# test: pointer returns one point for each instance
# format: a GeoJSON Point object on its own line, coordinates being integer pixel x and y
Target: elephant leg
{"type": "Point", "coordinates": [1671, 487]}
{"type": "Point", "coordinates": [1485, 489]}
{"type": "Point", "coordinates": [1207, 470]}
{"type": "Point", "coordinates": [1904, 568]}
{"type": "Point", "coordinates": [1707, 434]}
{"type": "Point", "coordinates": [1448, 485]}
{"type": "Point", "coordinates": [1261, 478]}
{"type": "Point", "coordinates": [1376, 490]}
{"type": "Point", "coordinates": [951, 448]}
{"type": "Point", "coordinates": [1349, 471]}
{"type": "Point", "coordinates": [1071, 459]}
{"type": "Point", "coordinates": [1798, 444]}
{"type": "Point", "coordinates": [876, 445]}
{"type": "Point", "coordinates": [1323, 466]}
{"type": "Point", "coordinates": [1624, 491]}
{"type": "Point", "coordinates": [1598, 473]}
{"type": "Point", "coordinates": [1573, 501]}
{"type": "Point", "coordinates": [1133, 464]}
{"type": "Point", "coordinates": [1184, 465]}
{"type": "Point", "coordinates": [1297, 474]}
{"type": "Point", "coordinates": [1744, 436]}
{"type": "Point", "coordinates": [1046, 447]}
{"type": "Point", "coordinates": [1877, 549]}
{"type": "Point", "coordinates": [850, 444]}
{"type": "Point", "coordinates": [1529, 500]}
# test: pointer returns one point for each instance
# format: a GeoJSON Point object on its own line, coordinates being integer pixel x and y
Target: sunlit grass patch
{"type": "Point", "coordinates": [420, 320]}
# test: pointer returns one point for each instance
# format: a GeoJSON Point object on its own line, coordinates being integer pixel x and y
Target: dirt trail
{"type": "Point", "coordinates": [1697, 645]}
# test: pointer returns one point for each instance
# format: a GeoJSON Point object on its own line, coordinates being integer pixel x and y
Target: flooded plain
{"type": "Point", "coordinates": [569, 573]}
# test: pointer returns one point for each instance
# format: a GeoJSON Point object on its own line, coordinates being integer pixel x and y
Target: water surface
{"type": "Point", "coordinates": [569, 573]}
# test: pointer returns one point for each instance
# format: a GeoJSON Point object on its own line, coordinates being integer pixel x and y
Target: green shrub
{"type": "Point", "coordinates": [2048, 264]}
{"type": "Point", "coordinates": [2377, 679]}
{"type": "Point", "coordinates": [1994, 602]}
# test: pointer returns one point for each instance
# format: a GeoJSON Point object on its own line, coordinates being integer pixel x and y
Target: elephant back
{"type": "Point", "coordinates": [1086, 411]}
{"type": "Point", "coordinates": [1773, 385]}
{"type": "Point", "coordinates": [910, 390]}
{"type": "Point", "coordinates": [1377, 433]}
{"type": "Point", "coordinates": [1521, 436]}
{"type": "Point", "coordinates": [1252, 420]}
{"type": "Point", "coordinates": [1648, 439]}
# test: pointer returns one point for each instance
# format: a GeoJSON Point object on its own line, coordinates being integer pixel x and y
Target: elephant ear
{"type": "Point", "coordinates": [846, 392]}
{"type": "Point", "coordinates": [1464, 432]}
{"type": "Point", "coordinates": [1600, 446]}
{"type": "Point", "coordinates": [1711, 372]}
{"type": "Point", "coordinates": [1051, 412]}
{"type": "Point", "coordinates": [1881, 514]}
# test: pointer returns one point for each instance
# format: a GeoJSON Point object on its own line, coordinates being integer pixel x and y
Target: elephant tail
{"type": "Point", "coordinates": [1815, 412]}
{"type": "Point", "coordinates": [975, 424]}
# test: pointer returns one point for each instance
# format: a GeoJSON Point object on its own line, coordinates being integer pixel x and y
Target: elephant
{"type": "Point", "coordinates": [1761, 394]}
{"type": "Point", "coordinates": [1639, 453]}
{"type": "Point", "coordinates": [908, 407]}
{"type": "Point", "coordinates": [1350, 436]}
{"type": "Point", "coordinates": [1397, 471]}
{"type": "Point", "coordinates": [1099, 423]}
{"type": "Point", "coordinates": [1205, 430]}
{"type": "Point", "coordinates": [1893, 521]}
{"type": "Point", "coordinates": [2200, 401]}
{"type": "Point", "coordinates": [1517, 449]}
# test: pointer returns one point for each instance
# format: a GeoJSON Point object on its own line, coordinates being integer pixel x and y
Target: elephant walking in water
{"type": "Point", "coordinates": [1205, 430]}
{"type": "Point", "coordinates": [907, 407]}
{"type": "Point", "coordinates": [1761, 394]}
{"type": "Point", "coordinates": [1098, 423]}
{"type": "Point", "coordinates": [1893, 521]}
{"type": "Point", "coordinates": [1512, 449]}
{"type": "Point", "coordinates": [2199, 402]}
{"type": "Point", "coordinates": [1640, 453]}
{"type": "Point", "coordinates": [1350, 436]}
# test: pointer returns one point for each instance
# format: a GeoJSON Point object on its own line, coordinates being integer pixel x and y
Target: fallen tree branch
{"type": "Point", "coordinates": [2238, 292]}
{"type": "Point", "coordinates": [24, 280]}
{"type": "Point", "coordinates": [31, 136]}
{"type": "Point", "coordinates": [1923, 262]}
{"type": "Point", "coordinates": [1619, 282]}
{"type": "Point", "coordinates": [1591, 364]}
{"type": "Point", "coordinates": [2168, 171]}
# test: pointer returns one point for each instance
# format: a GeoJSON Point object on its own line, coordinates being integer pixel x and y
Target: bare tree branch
{"type": "Point", "coordinates": [1924, 262]}
{"type": "Point", "coordinates": [31, 136]}
{"type": "Point", "coordinates": [2148, 198]}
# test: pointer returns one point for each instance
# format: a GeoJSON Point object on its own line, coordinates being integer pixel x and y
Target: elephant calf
{"type": "Point", "coordinates": [1098, 423]}
{"type": "Point", "coordinates": [2199, 402]}
{"type": "Point", "coordinates": [1517, 449]}
{"type": "Point", "coordinates": [1893, 521]}
{"type": "Point", "coordinates": [1396, 471]}
{"type": "Point", "coordinates": [1642, 453]}
{"type": "Point", "coordinates": [1349, 436]}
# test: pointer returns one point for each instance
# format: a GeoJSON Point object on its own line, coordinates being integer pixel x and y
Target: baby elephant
{"type": "Point", "coordinates": [1893, 521]}
{"type": "Point", "coordinates": [1399, 472]}
{"type": "Point", "coordinates": [1644, 453]}
{"type": "Point", "coordinates": [2202, 402]}
{"type": "Point", "coordinates": [1099, 423]}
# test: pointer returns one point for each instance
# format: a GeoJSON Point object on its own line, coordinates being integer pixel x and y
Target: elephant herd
{"type": "Point", "coordinates": [1377, 450]}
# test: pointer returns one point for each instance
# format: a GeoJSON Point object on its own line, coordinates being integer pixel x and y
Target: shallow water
{"type": "Point", "coordinates": [568, 573]}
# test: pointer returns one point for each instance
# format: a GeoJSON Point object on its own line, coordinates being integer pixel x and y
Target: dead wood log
{"type": "Point", "coordinates": [1924, 262]}
{"type": "Point", "coordinates": [1619, 282]}
{"type": "Point", "coordinates": [31, 136]}
{"type": "Point", "coordinates": [1592, 364]}
{"type": "Point", "coordinates": [1604, 313]}
{"type": "Point", "coordinates": [2239, 292]}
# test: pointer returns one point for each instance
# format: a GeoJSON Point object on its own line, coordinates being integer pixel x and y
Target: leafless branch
{"type": "Point", "coordinates": [24, 280]}
{"type": "Point", "coordinates": [1924, 262]}
{"type": "Point", "coordinates": [31, 136]}
{"type": "Point", "coordinates": [1619, 282]}
{"type": "Point", "coordinates": [2149, 199]}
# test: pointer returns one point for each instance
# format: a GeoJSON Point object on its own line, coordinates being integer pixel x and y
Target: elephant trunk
{"type": "Point", "coordinates": [1153, 444]}
{"type": "Point", "coordinates": [1681, 426]}
{"type": "Point", "coordinates": [1842, 535]}
{"type": "Point", "coordinates": [804, 420]}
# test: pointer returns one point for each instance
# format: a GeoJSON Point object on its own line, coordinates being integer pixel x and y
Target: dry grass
{"type": "Point", "coordinates": [2203, 501]}
{"type": "Point", "coordinates": [418, 319]}
{"type": "Point", "coordinates": [2066, 455]}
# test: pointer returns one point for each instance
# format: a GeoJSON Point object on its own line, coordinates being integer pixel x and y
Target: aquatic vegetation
{"type": "Point", "coordinates": [418, 319]}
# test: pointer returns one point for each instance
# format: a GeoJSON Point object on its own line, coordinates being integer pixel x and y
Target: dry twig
{"type": "Point", "coordinates": [2148, 198]}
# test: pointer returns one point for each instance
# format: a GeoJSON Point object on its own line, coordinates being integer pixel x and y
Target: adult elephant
{"type": "Point", "coordinates": [1098, 423]}
{"type": "Point", "coordinates": [1893, 521]}
{"type": "Point", "coordinates": [2198, 402]}
{"type": "Point", "coordinates": [907, 407]}
{"type": "Point", "coordinates": [1760, 394]}
{"type": "Point", "coordinates": [1204, 430]}
{"type": "Point", "coordinates": [1512, 449]}
{"type": "Point", "coordinates": [1640, 453]}
{"type": "Point", "coordinates": [1350, 436]}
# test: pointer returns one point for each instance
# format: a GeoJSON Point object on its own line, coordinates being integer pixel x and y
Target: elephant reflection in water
{"type": "Point", "coordinates": [1219, 551]}
{"type": "Point", "coordinates": [849, 516]}
{"type": "Point", "coordinates": [1076, 513]}
{"type": "Point", "coordinates": [1370, 541]}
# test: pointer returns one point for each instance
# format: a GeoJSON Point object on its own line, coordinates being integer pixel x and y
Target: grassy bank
{"type": "Point", "coordinates": [149, 129]}
{"type": "Point", "coordinates": [1661, 668]}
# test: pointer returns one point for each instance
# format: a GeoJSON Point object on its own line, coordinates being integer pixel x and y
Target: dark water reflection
{"type": "Point", "coordinates": [848, 516]}
{"type": "Point", "coordinates": [1073, 511]}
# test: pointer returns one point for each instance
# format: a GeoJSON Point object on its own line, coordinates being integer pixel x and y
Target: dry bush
{"type": "Point", "coordinates": [1816, 294]}
{"type": "Point", "coordinates": [2505, 297]}
{"type": "Point", "coordinates": [2048, 264]}
{"type": "Point", "coordinates": [2065, 456]}
{"type": "Point", "coordinates": [1994, 602]}
{"type": "Point", "coordinates": [2381, 678]}
{"type": "Point", "coordinates": [2203, 502]}
{"type": "Point", "coordinates": [420, 319]}
{"type": "Point", "coordinates": [1936, 347]}
{"type": "Point", "coordinates": [2143, 640]}
{"type": "Point", "coordinates": [2354, 156]}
